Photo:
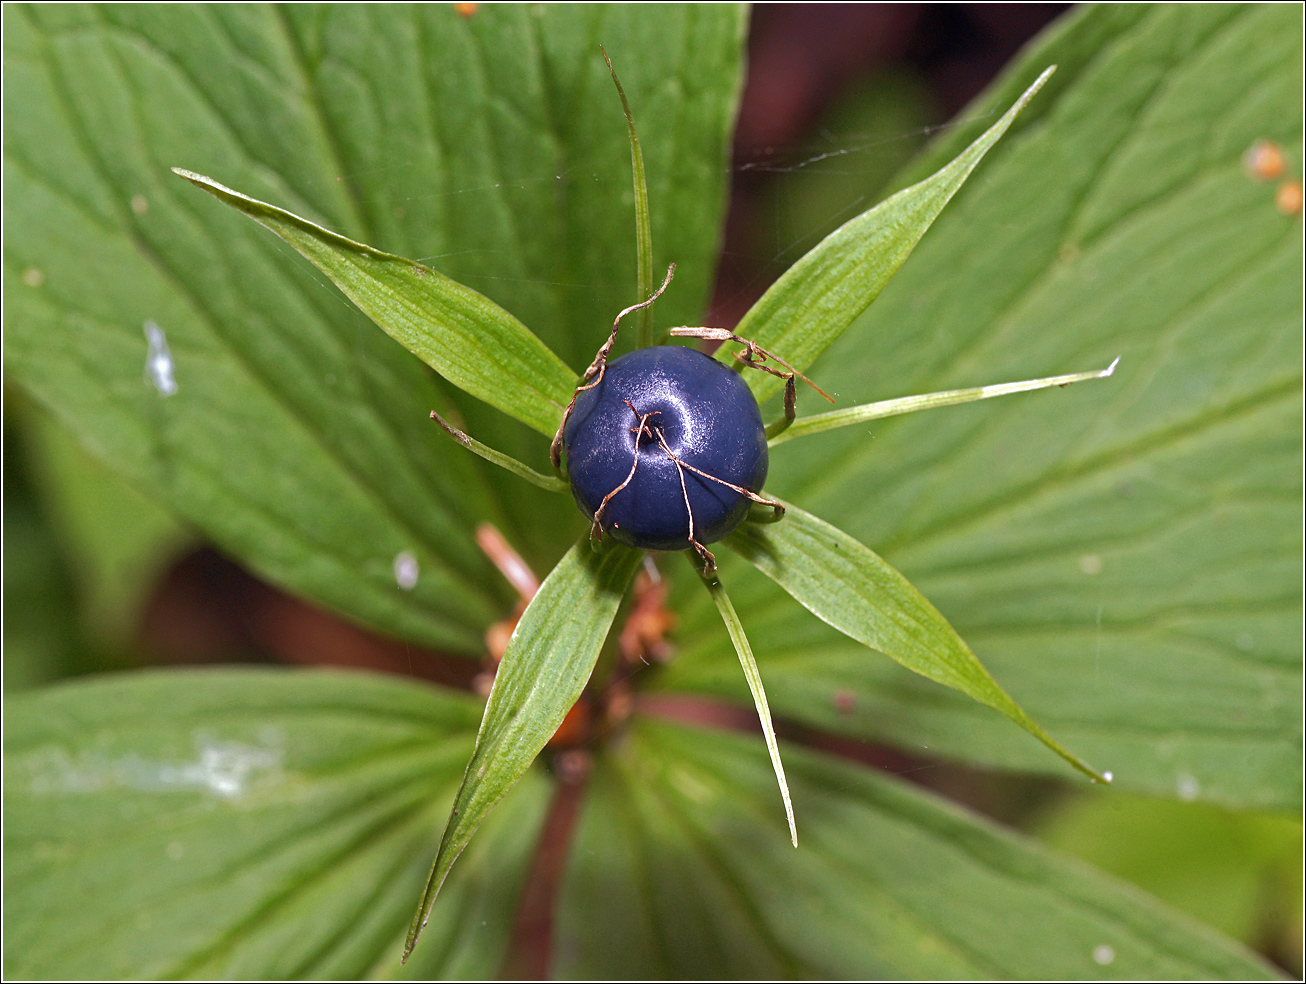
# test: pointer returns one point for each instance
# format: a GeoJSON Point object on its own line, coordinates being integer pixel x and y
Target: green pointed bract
{"type": "Point", "coordinates": [849, 587]}
{"type": "Point", "coordinates": [462, 335]}
{"type": "Point", "coordinates": [545, 668]}
{"type": "Point", "coordinates": [819, 296]}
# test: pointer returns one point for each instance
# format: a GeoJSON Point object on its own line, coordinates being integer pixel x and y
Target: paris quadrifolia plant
{"type": "Point", "coordinates": [665, 449]}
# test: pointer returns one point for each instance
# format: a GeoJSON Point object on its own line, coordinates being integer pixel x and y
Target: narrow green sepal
{"type": "Point", "coordinates": [777, 427]}
{"type": "Point", "coordinates": [643, 223]}
{"type": "Point", "coordinates": [754, 678]}
{"type": "Point", "coordinates": [505, 461]}
{"type": "Point", "coordinates": [927, 401]}
{"type": "Point", "coordinates": [758, 513]}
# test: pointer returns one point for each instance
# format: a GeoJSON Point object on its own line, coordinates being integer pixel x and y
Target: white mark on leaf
{"type": "Point", "coordinates": [158, 360]}
{"type": "Point", "coordinates": [406, 570]}
{"type": "Point", "coordinates": [226, 769]}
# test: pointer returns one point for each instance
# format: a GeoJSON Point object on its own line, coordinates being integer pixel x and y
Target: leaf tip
{"type": "Point", "coordinates": [1037, 84]}
{"type": "Point", "coordinates": [1037, 731]}
{"type": "Point", "coordinates": [451, 430]}
{"type": "Point", "coordinates": [1101, 778]}
{"type": "Point", "coordinates": [1109, 369]}
{"type": "Point", "coordinates": [415, 930]}
{"type": "Point", "coordinates": [205, 182]}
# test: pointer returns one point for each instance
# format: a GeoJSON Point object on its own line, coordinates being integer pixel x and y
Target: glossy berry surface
{"type": "Point", "coordinates": [707, 417]}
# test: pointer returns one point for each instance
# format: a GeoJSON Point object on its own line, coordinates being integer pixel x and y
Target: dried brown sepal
{"type": "Point", "coordinates": [755, 356]}
{"type": "Point", "coordinates": [594, 374]}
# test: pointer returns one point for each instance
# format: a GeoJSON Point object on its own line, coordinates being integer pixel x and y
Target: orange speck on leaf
{"type": "Point", "coordinates": [1264, 160]}
{"type": "Point", "coordinates": [1288, 199]}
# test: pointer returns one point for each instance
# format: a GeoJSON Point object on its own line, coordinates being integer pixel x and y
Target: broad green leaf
{"type": "Point", "coordinates": [490, 147]}
{"type": "Point", "coordinates": [1123, 556]}
{"type": "Point", "coordinates": [543, 671]}
{"type": "Point", "coordinates": [1240, 873]}
{"type": "Point", "coordinates": [462, 335]}
{"type": "Point", "coordinates": [681, 850]}
{"type": "Point", "coordinates": [251, 823]}
{"type": "Point", "coordinates": [819, 296]}
{"type": "Point", "coordinates": [848, 586]}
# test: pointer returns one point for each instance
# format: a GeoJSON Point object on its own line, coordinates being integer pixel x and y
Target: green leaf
{"type": "Point", "coordinates": [1124, 557]}
{"type": "Point", "coordinates": [246, 823]}
{"type": "Point", "coordinates": [465, 337]}
{"type": "Point", "coordinates": [546, 666]}
{"type": "Point", "coordinates": [819, 296]}
{"type": "Point", "coordinates": [683, 852]}
{"type": "Point", "coordinates": [849, 587]}
{"type": "Point", "coordinates": [298, 440]}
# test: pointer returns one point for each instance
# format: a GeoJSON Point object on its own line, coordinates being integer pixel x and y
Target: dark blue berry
{"type": "Point", "coordinates": [708, 419]}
